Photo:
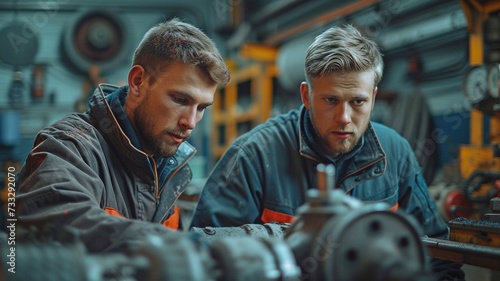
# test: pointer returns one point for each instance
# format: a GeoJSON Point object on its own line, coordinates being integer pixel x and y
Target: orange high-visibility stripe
{"type": "Point", "coordinates": [113, 212]}
{"type": "Point", "coordinates": [173, 221]}
{"type": "Point", "coordinates": [395, 207]}
{"type": "Point", "coordinates": [273, 216]}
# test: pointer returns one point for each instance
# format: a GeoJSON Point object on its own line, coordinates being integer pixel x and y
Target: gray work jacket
{"type": "Point", "coordinates": [84, 176]}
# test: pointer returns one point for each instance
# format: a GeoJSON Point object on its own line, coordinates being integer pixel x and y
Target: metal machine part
{"type": "Point", "coordinates": [474, 238]}
{"type": "Point", "coordinates": [244, 258]}
{"type": "Point", "coordinates": [349, 237]}
{"type": "Point", "coordinates": [166, 258]}
{"type": "Point", "coordinates": [335, 237]}
{"type": "Point", "coordinates": [474, 242]}
{"type": "Point", "coordinates": [267, 230]}
{"type": "Point", "coordinates": [32, 260]}
{"type": "Point", "coordinates": [494, 214]}
{"type": "Point", "coordinates": [480, 186]}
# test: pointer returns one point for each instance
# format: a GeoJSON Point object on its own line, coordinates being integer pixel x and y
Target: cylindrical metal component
{"type": "Point", "coordinates": [349, 247]}
{"type": "Point", "coordinates": [320, 169]}
{"type": "Point", "coordinates": [336, 237]}
{"type": "Point", "coordinates": [330, 177]}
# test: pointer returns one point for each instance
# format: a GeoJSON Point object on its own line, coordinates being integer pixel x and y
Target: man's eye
{"type": "Point", "coordinates": [330, 100]}
{"type": "Point", "coordinates": [180, 100]}
{"type": "Point", "coordinates": [358, 102]}
{"type": "Point", "coordinates": [202, 108]}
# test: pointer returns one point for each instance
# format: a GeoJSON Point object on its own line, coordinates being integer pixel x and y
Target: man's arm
{"type": "Point", "coordinates": [60, 192]}
{"type": "Point", "coordinates": [232, 193]}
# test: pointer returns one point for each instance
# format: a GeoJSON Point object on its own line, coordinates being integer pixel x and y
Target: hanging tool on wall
{"type": "Point", "coordinates": [89, 84]}
{"type": "Point", "coordinates": [38, 82]}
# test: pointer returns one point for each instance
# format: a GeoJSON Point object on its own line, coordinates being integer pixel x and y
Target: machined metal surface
{"type": "Point", "coordinates": [478, 255]}
{"type": "Point", "coordinates": [334, 237]}
{"type": "Point", "coordinates": [268, 230]}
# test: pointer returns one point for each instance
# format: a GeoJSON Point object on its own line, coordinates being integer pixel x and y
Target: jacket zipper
{"type": "Point", "coordinates": [155, 171]}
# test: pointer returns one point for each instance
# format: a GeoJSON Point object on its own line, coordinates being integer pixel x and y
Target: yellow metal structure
{"type": "Point", "coordinates": [259, 52]}
{"type": "Point", "coordinates": [231, 109]}
{"type": "Point", "coordinates": [476, 236]}
{"type": "Point", "coordinates": [477, 156]}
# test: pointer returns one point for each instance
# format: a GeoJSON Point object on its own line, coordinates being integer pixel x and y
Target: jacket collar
{"type": "Point", "coordinates": [116, 100]}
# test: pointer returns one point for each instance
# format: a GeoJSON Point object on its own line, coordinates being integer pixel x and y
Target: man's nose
{"type": "Point", "coordinates": [189, 119]}
{"type": "Point", "coordinates": [343, 114]}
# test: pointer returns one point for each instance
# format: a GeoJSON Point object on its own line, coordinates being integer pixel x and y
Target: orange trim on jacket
{"type": "Point", "coordinates": [395, 207]}
{"type": "Point", "coordinates": [113, 212]}
{"type": "Point", "coordinates": [172, 222]}
{"type": "Point", "coordinates": [273, 216]}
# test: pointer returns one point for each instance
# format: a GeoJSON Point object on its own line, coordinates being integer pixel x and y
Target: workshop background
{"type": "Point", "coordinates": [439, 90]}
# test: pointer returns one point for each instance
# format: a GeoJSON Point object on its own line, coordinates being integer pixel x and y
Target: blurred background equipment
{"type": "Point", "coordinates": [19, 44]}
{"type": "Point", "coordinates": [18, 50]}
{"type": "Point", "coordinates": [96, 37]}
{"type": "Point", "coordinates": [479, 161]}
{"type": "Point", "coordinates": [472, 205]}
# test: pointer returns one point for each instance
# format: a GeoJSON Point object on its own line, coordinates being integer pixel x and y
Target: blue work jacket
{"type": "Point", "coordinates": [265, 174]}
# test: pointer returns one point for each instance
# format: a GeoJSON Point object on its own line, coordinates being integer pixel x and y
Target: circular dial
{"type": "Point", "coordinates": [475, 84]}
{"type": "Point", "coordinates": [493, 80]}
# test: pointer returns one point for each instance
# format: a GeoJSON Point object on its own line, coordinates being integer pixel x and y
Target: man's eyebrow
{"type": "Point", "coordinates": [190, 98]}
{"type": "Point", "coordinates": [361, 96]}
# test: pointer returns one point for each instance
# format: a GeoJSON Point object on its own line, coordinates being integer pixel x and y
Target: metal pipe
{"type": "Point", "coordinates": [320, 169]}
{"type": "Point", "coordinates": [330, 177]}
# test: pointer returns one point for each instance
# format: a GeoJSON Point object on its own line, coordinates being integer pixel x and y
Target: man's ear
{"type": "Point", "coordinates": [136, 79]}
{"type": "Point", "coordinates": [304, 94]}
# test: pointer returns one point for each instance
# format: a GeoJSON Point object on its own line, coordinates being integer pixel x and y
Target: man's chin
{"type": "Point", "coordinates": [168, 152]}
{"type": "Point", "coordinates": [341, 149]}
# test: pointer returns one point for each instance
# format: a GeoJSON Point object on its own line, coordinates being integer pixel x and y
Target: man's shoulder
{"type": "Point", "coordinates": [71, 121]}
{"type": "Point", "coordinates": [385, 132]}
{"type": "Point", "coordinates": [72, 126]}
{"type": "Point", "coordinates": [389, 138]}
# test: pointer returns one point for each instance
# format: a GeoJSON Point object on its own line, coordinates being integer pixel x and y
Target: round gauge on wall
{"type": "Point", "coordinates": [493, 80]}
{"type": "Point", "coordinates": [475, 83]}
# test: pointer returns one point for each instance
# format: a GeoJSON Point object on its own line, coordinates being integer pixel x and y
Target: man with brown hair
{"type": "Point", "coordinates": [112, 174]}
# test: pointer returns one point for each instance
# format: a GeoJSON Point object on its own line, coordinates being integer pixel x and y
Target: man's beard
{"type": "Point", "coordinates": [156, 146]}
{"type": "Point", "coordinates": [342, 146]}
{"type": "Point", "coordinates": [154, 143]}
